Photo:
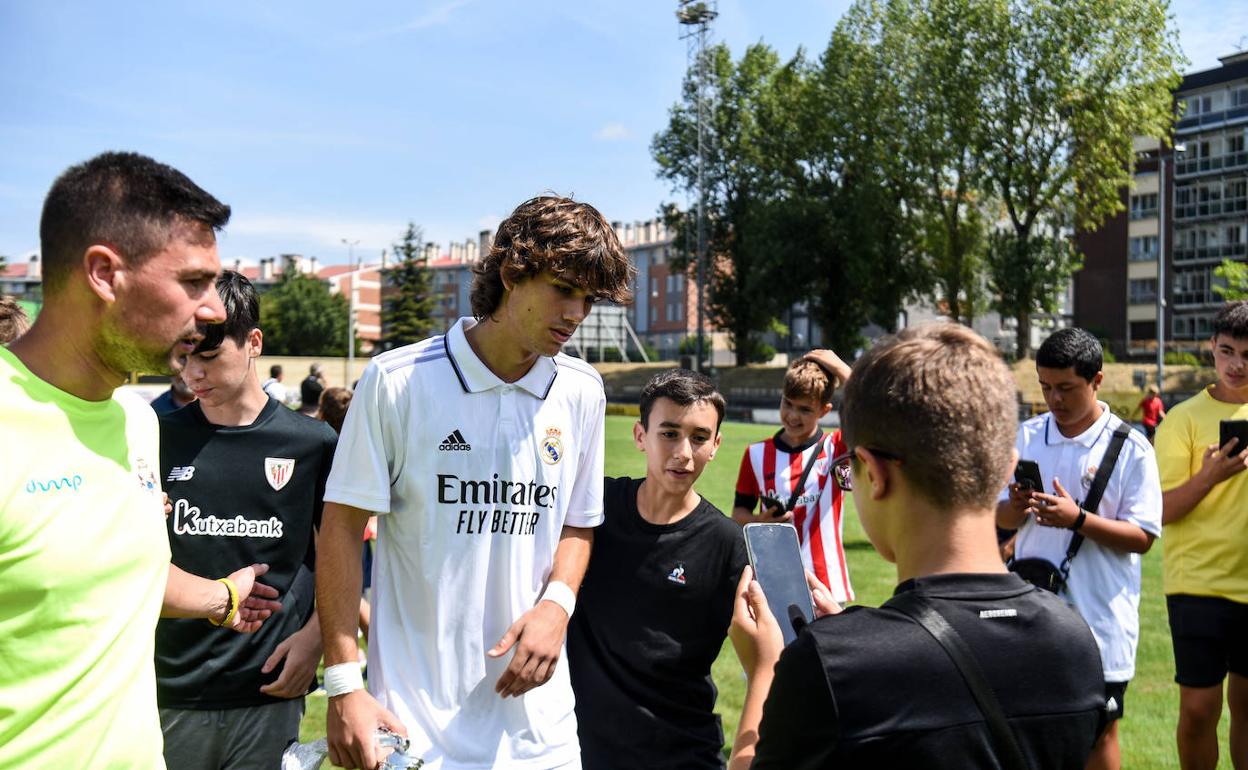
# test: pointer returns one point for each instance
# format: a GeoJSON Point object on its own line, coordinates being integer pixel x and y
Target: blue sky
{"type": "Point", "coordinates": [320, 122]}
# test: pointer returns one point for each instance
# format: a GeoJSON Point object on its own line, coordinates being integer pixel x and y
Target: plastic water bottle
{"type": "Point", "coordinates": [309, 756]}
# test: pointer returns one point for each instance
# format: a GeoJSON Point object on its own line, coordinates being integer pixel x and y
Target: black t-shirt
{"type": "Point", "coordinates": [870, 688]}
{"type": "Point", "coordinates": [240, 495]}
{"type": "Point", "coordinates": [651, 617]}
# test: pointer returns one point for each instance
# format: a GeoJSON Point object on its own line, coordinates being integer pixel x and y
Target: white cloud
{"type": "Point", "coordinates": [612, 132]}
{"type": "Point", "coordinates": [434, 17]}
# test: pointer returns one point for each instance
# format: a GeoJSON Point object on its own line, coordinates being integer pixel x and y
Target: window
{"type": "Point", "coordinates": [654, 286]}
{"type": "Point", "coordinates": [1192, 287]}
{"type": "Point", "coordinates": [1142, 290]}
{"type": "Point", "coordinates": [654, 313]}
{"type": "Point", "coordinates": [1143, 248]}
{"type": "Point", "coordinates": [1239, 97]}
{"type": "Point", "coordinates": [669, 313]}
{"type": "Point", "coordinates": [1235, 143]}
{"type": "Point", "coordinates": [1143, 206]}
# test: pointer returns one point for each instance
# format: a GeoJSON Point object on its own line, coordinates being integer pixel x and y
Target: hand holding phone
{"type": "Point", "coordinates": [776, 559]}
{"type": "Point", "coordinates": [771, 506]}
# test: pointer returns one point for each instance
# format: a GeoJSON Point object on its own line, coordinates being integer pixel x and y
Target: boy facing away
{"type": "Point", "coordinates": [870, 687]}
{"type": "Point", "coordinates": [654, 608]}
{"type": "Point", "coordinates": [799, 456]}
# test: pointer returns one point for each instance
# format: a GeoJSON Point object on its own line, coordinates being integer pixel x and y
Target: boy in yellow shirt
{"type": "Point", "coordinates": [1206, 563]}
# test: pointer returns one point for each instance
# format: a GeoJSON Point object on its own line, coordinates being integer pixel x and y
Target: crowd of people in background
{"type": "Point", "coordinates": [462, 480]}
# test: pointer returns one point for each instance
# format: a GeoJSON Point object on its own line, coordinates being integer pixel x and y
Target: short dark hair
{"type": "Point", "coordinates": [242, 312]}
{"type": "Point", "coordinates": [124, 200]}
{"type": "Point", "coordinates": [682, 387]}
{"type": "Point", "coordinates": [1072, 348]}
{"type": "Point", "coordinates": [1232, 319]}
{"type": "Point", "coordinates": [310, 391]}
{"type": "Point", "coordinates": [275, 371]}
{"type": "Point", "coordinates": [570, 239]}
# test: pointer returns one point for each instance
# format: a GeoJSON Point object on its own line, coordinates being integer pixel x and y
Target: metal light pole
{"type": "Point", "coordinates": [696, 16]}
{"type": "Point", "coordinates": [1163, 251]}
{"type": "Point", "coordinates": [355, 284]}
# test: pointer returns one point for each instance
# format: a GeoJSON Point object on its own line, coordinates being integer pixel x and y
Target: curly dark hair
{"type": "Point", "coordinates": [570, 239]}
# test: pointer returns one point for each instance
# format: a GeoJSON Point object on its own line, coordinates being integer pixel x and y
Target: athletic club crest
{"type": "Point", "coordinates": [278, 470]}
{"type": "Point", "coordinates": [552, 447]}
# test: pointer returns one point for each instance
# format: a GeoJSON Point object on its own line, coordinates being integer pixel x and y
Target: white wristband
{"type": "Point", "coordinates": [342, 678]}
{"type": "Point", "coordinates": [560, 593]}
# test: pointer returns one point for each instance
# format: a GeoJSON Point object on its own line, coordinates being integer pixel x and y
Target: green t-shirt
{"type": "Point", "coordinates": [83, 564]}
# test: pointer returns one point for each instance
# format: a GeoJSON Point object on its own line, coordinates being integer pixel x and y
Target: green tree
{"type": "Point", "coordinates": [747, 288]}
{"type": "Point", "coordinates": [934, 49]}
{"type": "Point", "coordinates": [301, 317]}
{"type": "Point", "coordinates": [850, 227]}
{"type": "Point", "coordinates": [407, 313]}
{"type": "Point", "coordinates": [1234, 276]}
{"type": "Point", "coordinates": [1069, 84]}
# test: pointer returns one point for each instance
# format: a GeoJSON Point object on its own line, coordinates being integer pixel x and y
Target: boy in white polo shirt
{"type": "Point", "coordinates": [481, 453]}
{"type": "Point", "coordinates": [1069, 443]}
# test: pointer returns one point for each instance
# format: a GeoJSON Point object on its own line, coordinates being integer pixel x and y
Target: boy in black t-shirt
{"type": "Point", "coordinates": [654, 608]}
{"type": "Point", "coordinates": [245, 477]}
{"type": "Point", "coordinates": [929, 421]}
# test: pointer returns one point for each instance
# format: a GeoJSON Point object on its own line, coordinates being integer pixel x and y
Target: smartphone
{"type": "Point", "coordinates": [1027, 475]}
{"type": "Point", "coordinates": [777, 561]}
{"type": "Point", "coordinates": [1228, 429]}
{"type": "Point", "coordinates": [771, 502]}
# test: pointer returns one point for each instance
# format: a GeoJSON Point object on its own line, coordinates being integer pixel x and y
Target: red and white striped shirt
{"type": "Point", "coordinates": [770, 468]}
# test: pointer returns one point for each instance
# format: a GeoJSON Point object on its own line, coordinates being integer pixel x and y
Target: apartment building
{"type": "Point", "coordinates": [1187, 211]}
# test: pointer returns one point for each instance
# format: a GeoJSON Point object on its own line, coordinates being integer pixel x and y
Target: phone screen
{"type": "Point", "coordinates": [1236, 428]}
{"type": "Point", "coordinates": [1027, 475]}
{"type": "Point", "coordinates": [777, 561]}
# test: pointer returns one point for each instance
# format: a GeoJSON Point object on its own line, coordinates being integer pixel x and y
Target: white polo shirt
{"type": "Point", "coordinates": [473, 480]}
{"type": "Point", "coordinates": [1104, 583]}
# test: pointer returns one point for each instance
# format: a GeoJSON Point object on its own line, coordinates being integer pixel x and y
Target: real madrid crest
{"type": "Point", "coordinates": [551, 447]}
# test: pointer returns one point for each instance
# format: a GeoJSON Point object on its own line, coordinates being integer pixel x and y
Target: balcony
{"type": "Point", "coordinates": [1209, 253]}
{"type": "Point", "coordinates": [1206, 209]}
{"type": "Point", "coordinates": [1211, 120]}
{"type": "Point", "coordinates": [1225, 162]}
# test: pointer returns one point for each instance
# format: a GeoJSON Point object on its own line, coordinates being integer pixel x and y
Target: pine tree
{"type": "Point", "coordinates": [407, 314]}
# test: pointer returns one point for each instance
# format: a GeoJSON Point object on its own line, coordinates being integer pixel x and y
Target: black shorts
{"type": "Point", "coordinates": [1210, 636]}
{"type": "Point", "coordinates": [1115, 700]}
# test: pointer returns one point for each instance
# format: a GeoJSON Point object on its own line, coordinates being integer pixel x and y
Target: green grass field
{"type": "Point", "coordinates": [1147, 731]}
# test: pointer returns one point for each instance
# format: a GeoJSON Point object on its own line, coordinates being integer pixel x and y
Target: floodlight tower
{"type": "Point", "coordinates": [695, 17]}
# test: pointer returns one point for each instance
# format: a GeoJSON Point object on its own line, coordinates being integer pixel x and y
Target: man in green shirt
{"type": "Point", "coordinates": [129, 260]}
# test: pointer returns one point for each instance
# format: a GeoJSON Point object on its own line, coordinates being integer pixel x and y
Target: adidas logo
{"type": "Point", "coordinates": [455, 443]}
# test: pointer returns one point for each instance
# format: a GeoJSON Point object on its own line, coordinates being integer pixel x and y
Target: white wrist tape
{"type": "Point", "coordinates": [342, 678]}
{"type": "Point", "coordinates": [561, 594]}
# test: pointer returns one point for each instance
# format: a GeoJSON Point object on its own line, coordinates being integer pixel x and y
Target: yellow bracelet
{"type": "Point", "coordinates": [229, 616]}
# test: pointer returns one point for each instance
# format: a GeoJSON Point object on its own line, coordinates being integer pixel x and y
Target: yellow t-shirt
{"type": "Point", "coordinates": [83, 563]}
{"type": "Point", "coordinates": [1206, 552]}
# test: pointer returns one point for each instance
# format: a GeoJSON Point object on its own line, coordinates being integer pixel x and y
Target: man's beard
{"type": "Point", "coordinates": [121, 352]}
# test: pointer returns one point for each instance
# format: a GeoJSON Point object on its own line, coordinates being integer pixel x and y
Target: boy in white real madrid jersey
{"type": "Point", "coordinates": [481, 452]}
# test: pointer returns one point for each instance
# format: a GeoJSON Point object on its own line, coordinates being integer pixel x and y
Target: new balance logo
{"type": "Point", "coordinates": [454, 443]}
{"type": "Point", "coordinates": [181, 473]}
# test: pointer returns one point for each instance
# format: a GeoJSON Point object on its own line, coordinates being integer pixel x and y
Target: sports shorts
{"type": "Point", "coordinates": [1210, 637]}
